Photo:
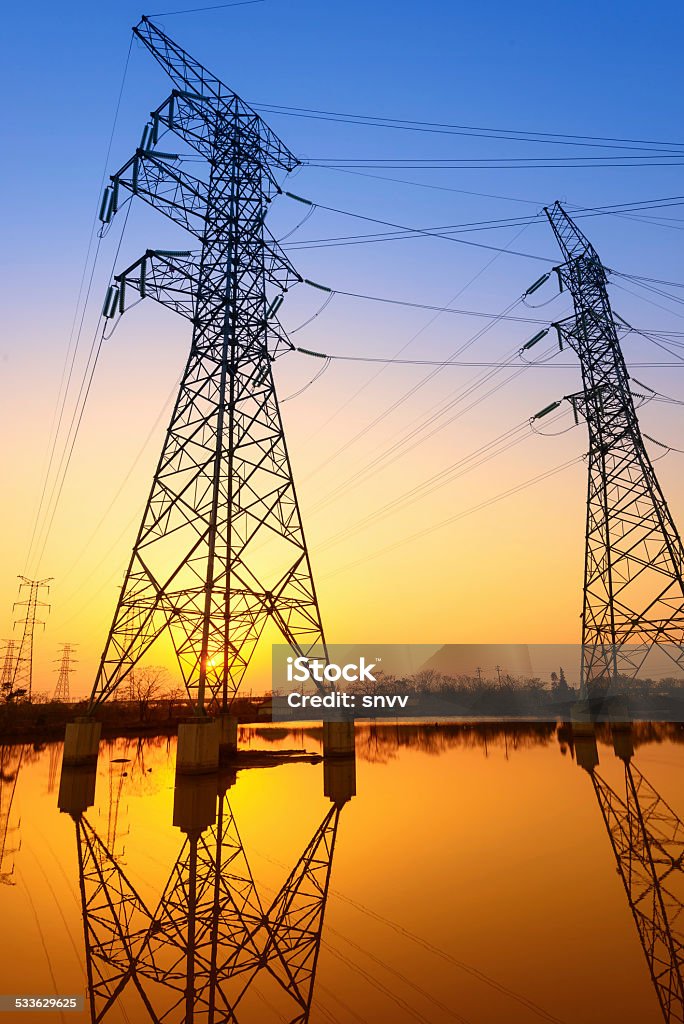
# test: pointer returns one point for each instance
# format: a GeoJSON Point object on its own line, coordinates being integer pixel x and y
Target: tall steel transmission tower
{"type": "Point", "coordinates": [66, 663]}
{"type": "Point", "coordinates": [23, 666]}
{"type": "Point", "coordinates": [221, 547]}
{"type": "Point", "coordinates": [633, 582]}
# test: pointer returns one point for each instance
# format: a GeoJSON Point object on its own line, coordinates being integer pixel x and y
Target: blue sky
{"type": "Point", "coordinates": [592, 69]}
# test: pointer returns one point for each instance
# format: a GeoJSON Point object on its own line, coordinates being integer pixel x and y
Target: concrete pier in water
{"type": "Point", "coordinates": [197, 752]}
{"type": "Point", "coordinates": [339, 761]}
{"type": "Point", "coordinates": [228, 736]}
{"type": "Point", "coordinates": [81, 743]}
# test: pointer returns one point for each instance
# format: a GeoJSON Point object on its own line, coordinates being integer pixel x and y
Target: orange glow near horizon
{"type": "Point", "coordinates": [507, 573]}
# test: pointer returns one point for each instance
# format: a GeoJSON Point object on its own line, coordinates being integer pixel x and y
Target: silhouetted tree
{"type": "Point", "coordinates": [8, 695]}
{"type": "Point", "coordinates": [149, 684]}
{"type": "Point", "coordinates": [559, 684]}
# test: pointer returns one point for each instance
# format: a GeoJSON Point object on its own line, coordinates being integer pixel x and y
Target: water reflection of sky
{"type": "Point", "coordinates": [473, 878]}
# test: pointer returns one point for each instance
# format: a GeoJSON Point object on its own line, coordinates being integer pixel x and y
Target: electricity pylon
{"type": "Point", "coordinates": [634, 559]}
{"type": "Point", "coordinates": [221, 547]}
{"type": "Point", "coordinates": [65, 669]}
{"type": "Point", "coordinates": [647, 839]}
{"type": "Point", "coordinates": [23, 666]}
{"type": "Point", "coordinates": [7, 671]}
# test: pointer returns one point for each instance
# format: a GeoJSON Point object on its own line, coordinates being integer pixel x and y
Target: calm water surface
{"type": "Point", "coordinates": [474, 877]}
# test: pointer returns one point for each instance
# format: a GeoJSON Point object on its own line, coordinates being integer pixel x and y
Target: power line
{"type": "Point", "coordinates": [196, 10]}
{"type": "Point", "coordinates": [394, 361]}
{"type": "Point", "coordinates": [77, 416]}
{"type": "Point", "coordinates": [651, 302]}
{"type": "Point", "coordinates": [472, 226]}
{"type": "Point", "coordinates": [492, 164]}
{"type": "Point", "coordinates": [63, 393]}
{"type": "Point", "coordinates": [445, 232]}
{"type": "Point", "coordinates": [412, 437]}
{"type": "Point", "coordinates": [425, 305]}
{"type": "Point", "coordinates": [420, 231]}
{"type": "Point", "coordinates": [651, 280]}
{"type": "Point", "coordinates": [593, 141]}
{"type": "Point", "coordinates": [659, 343]}
{"type": "Point", "coordinates": [439, 309]}
{"type": "Point", "coordinates": [467, 464]}
{"type": "Point", "coordinates": [479, 334]}
{"type": "Point", "coordinates": [84, 547]}
{"type": "Point", "coordinates": [653, 288]}
{"type": "Point", "coordinates": [437, 188]}
{"type": "Point", "coordinates": [539, 478]}
{"type": "Point", "coordinates": [463, 288]}
{"type": "Point", "coordinates": [388, 236]}
{"type": "Point", "coordinates": [67, 371]}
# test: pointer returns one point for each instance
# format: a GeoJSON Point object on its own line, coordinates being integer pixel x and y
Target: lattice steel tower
{"type": "Point", "coordinates": [9, 658]}
{"type": "Point", "coordinates": [66, 663]}
{"type": "Point", "coordinates": [221, 547]}
{"type": "Point", "coordinates": [23, 666]}
{"type": "Point", "coordinates": [633, 583]}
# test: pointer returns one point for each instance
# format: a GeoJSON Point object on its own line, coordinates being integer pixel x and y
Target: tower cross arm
{"type": "Point", "coordinates": [189, 76]}
{"type": "Point", "coordinates": [171, 278]}
{"type": "Point", "coordinates": [157, 179]}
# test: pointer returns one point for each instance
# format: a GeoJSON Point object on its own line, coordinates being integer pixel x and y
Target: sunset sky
{"type": "Point", "coordinates": [388, 569]}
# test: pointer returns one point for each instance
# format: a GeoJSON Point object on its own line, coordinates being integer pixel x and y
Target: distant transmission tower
{"type": "Point", "coordinates": [633, 583]}
{"type": "Point", "coordinates": [66, 661]}
{"type": "Point", "coordinates": [23, 666]}
{"type": "Point", "coordinates": [221, 547]}
{"type": "Point", "coordinates": [9, 659]}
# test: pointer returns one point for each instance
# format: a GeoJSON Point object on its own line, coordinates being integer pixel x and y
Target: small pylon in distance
{"type": "Point", "coordinates": [66, 663]}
